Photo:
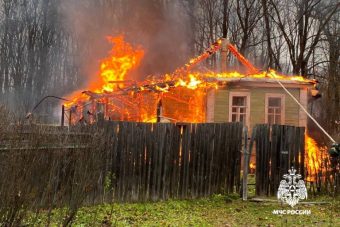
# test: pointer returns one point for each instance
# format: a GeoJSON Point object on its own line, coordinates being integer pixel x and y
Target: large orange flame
{"type": "Point", "coordinates": [114, 69]}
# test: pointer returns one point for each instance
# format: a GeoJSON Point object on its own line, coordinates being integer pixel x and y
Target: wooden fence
{"type": "Point", "coordinates": [278, 148]}
{"type": "Point", "coordinates": [161, 161]}
{"type": "Point", "coordinates": [125, 161]}
{"type": "Point", "coordinates": [120, 161]}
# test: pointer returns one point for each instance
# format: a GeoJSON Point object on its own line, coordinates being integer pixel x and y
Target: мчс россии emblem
{"type": "Point", "coordinates": [292, 188]}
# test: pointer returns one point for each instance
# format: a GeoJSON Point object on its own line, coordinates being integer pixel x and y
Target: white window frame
{"type": "Point", "coordinates": [283, 106]}
{"type": "Point", "coordinates": [242, 94]}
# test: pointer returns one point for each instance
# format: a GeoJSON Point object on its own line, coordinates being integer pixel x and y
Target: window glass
{"type": "Point", "coordinates": [239, 101]}
{"type": "Point", "coordinates": [274, 110]}
{"type": "Point", "coordinates": [242, 118]}
{"type": "Point", "coordinates": [274, 102]}
{"type": "Point", "coordinates": [239, 109]}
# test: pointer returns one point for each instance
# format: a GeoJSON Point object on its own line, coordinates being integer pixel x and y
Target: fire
{"type": "Point", "coordinates": [252, 167]}
{"type": "Point", "coordinates": [193, 82]}
{"type": "Point", "coordinates": [272, 74]}
{"type": "Point", "coordinates": [315, 156]}
{"type": "Point", "coordinates": [114, 69]}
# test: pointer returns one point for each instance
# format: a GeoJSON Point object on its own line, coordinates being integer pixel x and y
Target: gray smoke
{"type": "Point", "coordinates": [159, 26]}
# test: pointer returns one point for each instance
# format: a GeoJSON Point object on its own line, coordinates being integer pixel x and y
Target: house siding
{"type": "Point", "coordinates": [221, 113]}
{"type": "Point", "coordinates": [257, 104]}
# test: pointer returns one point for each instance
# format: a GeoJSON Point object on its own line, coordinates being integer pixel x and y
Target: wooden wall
{"type": "Point", "coordinates": [257, 104]}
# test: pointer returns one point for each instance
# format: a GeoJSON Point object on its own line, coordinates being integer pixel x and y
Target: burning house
{"type": "Point", "coordinates": [188, 95]}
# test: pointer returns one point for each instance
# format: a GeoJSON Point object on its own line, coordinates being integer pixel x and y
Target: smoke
{"type": "Point", "coordinates": [159, 26]}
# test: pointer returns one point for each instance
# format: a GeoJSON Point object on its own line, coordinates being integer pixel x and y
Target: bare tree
{"type": "Point", "coordinates": [248, 14]}
{"type": "Point", "coordinates": [301, 23]}
{"type": "Point", "coordinates": [332, 103]}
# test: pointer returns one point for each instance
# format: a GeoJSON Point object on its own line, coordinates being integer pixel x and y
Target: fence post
{"type": "Point", "coordinates": [62, 116]}
{"type": "Point", "coordinates": [70, 118]}
{"type": "Point", "coordinates": [245, 165]}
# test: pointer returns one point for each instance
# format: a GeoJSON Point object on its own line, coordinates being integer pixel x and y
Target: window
{"type": "Point", "coordinates": [239, 108]}
{"type": "Point", "coordinates": [274, 109]}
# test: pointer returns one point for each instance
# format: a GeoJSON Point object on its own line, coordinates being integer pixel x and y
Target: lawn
{"type": "Point", "coordinates": [217, 210]}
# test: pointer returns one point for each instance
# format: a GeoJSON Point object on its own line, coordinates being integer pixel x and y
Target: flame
{"type": "Point", "coordinates": [193, 82]}
{"type": "Point", "coordinates": [271, 74]}
{"type": "Point", "coordinates": [113, 70]}
{"type": "Point", "coordinates": [123, 58]}
{"type": "Point", "coordinates": [252, 167]}
{"type": "Point", "coordinates": [315, 156]}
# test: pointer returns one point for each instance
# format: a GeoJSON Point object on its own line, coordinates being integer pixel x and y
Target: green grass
{"type": "Point", "coordinates": [217, 210]}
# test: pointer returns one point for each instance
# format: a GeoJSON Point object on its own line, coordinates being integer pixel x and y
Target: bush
{"type": "Point", "coordinates": [43, 168]}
